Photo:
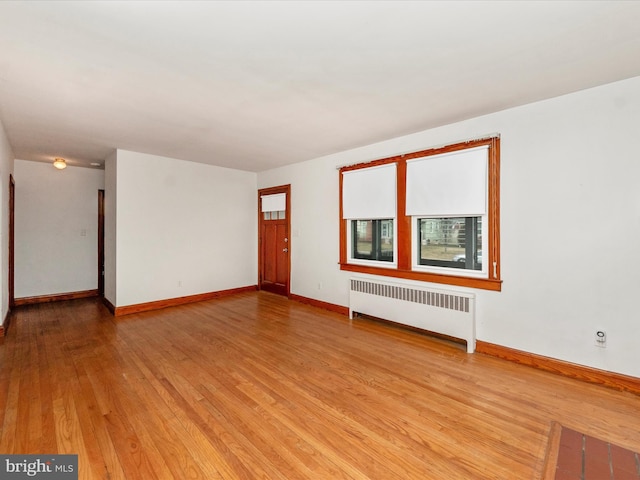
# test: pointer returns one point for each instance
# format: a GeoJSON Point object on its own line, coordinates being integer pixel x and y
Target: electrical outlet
{"type": "Point", "coordinates": [601, 338]}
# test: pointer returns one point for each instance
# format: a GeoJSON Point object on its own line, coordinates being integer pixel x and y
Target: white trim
{"type": "Point", "coordinates": [371, 263]}
{"type": "Point", "coordinates": [458, 272]}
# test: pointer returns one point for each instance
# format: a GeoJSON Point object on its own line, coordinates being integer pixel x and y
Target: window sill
{"type": "Point", "coordinates": [470, 282]}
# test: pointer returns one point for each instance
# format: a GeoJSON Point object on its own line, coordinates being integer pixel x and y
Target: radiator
{"type": "Point", "coordinates": [446, 312]}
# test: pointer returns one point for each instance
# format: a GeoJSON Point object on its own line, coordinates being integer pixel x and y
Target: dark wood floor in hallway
{"type": "Point", "coordinates": [254, 386]}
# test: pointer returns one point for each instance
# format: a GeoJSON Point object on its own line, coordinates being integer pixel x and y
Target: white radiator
{"type": "Point", "coordinates": [446, 312]}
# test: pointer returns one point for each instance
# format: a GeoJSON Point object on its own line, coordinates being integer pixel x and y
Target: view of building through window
{"type": "Point", "coordinates": [451, 242]}
{"type": "Point", "coordinates": [373, 240]}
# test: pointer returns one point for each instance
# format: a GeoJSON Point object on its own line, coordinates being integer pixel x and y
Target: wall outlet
{"type": "Point", "coordinates": [601, 338]}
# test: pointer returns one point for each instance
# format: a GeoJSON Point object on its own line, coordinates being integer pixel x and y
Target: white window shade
{"type": "Point", "coordinates": [274, 203]}
{"type": "Point", "coordinates": [451, 184]}
{"type": "Point", "coordinates": [369, 193]}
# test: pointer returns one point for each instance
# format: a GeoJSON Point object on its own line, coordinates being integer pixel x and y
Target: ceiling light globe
{"type": "Point", "coordinates": [60, 163]}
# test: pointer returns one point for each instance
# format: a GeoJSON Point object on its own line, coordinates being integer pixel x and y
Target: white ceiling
{"type": "Point", "coordinates": [258, 84]}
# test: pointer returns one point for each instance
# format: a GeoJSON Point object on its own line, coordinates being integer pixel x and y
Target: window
{"type": "Point", "coordinates": [369, 210]}
{"type": "Point", "coordinates": [279, 215]}
{"type": "Point", "coordinates": [450, 242]}
{"type": "Point", "coordinates": [273, 206]}
{"type": "Point", "coordinates": [431, 215]}
{"type": "Point", "coordinates": [372, 239]}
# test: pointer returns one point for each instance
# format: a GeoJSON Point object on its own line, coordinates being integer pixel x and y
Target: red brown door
{"type": "Point", "coordinates": [274, 239]}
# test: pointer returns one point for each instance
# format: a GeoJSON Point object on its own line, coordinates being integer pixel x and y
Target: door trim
{"type": "Point", "coordinates": [12, 230]}
{"type": "Point", "coordinates": [101, 243]}
{"type": "Point", "coordinates": [12, 241]}
{"type": "Point", "coordinates": [286, 189]}
{"type": "Point", "coordinates": [4, 326]}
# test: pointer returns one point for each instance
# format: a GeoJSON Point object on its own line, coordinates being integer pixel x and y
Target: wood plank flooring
{"type": "Point", "coordinates": [254, 386]}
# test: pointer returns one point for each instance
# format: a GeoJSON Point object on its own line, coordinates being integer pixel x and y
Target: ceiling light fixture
{"type": "Point", "coordinates": [60, 163]}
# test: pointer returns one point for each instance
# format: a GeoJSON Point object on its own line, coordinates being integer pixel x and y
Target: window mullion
{"type": "Point", "coordinates": [470, 242]}
{"type": "Point", "coordinates": [403, 222]}
{"type": "Point", "coordinates": [375, 241]}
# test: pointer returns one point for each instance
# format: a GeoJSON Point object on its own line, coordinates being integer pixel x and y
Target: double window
{"type": "Point", "coordinates": [430, 215]}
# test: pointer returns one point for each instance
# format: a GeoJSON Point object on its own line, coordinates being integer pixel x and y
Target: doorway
{"type": "Point", "coordinates": [274, 212]}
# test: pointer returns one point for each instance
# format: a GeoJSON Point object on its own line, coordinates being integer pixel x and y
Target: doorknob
{"type": "Point", "coordinates": [285, 249]}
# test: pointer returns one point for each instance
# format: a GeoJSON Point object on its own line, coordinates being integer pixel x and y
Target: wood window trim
{"type": "Point", "coordinates": [403, 222]}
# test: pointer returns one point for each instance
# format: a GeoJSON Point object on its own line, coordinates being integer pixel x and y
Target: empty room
{"type": "Point", "coordinates": [319, 240]}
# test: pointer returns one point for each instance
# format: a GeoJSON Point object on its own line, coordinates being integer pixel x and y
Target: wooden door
{"type": "Point", "coordinates": [275, 245]}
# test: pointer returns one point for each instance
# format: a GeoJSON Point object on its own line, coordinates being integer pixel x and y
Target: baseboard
{"type": "Point", "coordinates": [320, 304]}
{"type": "Point", "coordinates": [587, 374]}
{"type": "Point", "coordinates": [57, 297]}
{"type": "Point", "coordinates": [173, 302]}
{"type": "Point", "coordinates": [110, 306]}
{"type": "Point", "coordinates": [5, 324]}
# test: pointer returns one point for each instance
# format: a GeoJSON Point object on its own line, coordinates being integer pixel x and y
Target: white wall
{"type": "Point", "coordinates": [110, 227]}
{"type": "Point", "coordinates": [313, 246]}
{"type": "Point", "coordinates": [56, 229]}
{"type": "Point", "coordinates": [6, 168]}
{"type": "Point", "coordinates": [570, 217]}
{"type": "Point", "coordinates": [183, 228]}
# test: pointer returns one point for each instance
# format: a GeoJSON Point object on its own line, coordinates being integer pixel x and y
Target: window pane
{"type": "Point", "coordinates": [275, 215]}
{"type": "Point", "coordinates": [372, 239]}
{"type": "Point", "coordinates": [386, 240]}
{"type": "Point", "coordinates": [451, 242]}
{"type": "Point", "coordinates": [363, 237]}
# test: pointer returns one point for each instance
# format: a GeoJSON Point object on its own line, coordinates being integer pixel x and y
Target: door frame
{"type": "Point", "coordinates": [286, 189]}
{"type": "Point", "coordinates": [101, 243]}
{"type": "Point", "coordinates": [12, 230]}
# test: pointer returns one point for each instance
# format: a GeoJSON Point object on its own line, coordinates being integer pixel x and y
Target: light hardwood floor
{"type": "Point", "coordinates": [256, 386]}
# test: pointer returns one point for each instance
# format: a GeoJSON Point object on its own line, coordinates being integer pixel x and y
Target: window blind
{"type": "Point", "coordinates": [369, 193]}
{"type": "Point", "coordinates": [274, 203]}
{"type": "Point", "coordinates": [450, 184]}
